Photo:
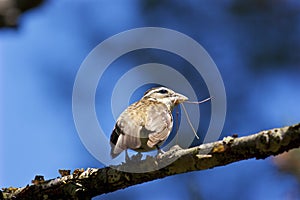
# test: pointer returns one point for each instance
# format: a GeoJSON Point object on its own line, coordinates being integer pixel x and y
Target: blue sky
{"type": "Point", "coordinates": [39, 62]}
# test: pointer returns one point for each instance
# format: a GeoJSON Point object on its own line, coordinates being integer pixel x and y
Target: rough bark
{"type": "Point", "coordinates": [85, 184]}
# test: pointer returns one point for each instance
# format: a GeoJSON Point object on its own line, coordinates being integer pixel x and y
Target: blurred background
{"type": "Point", "coordinates": [254, 43]}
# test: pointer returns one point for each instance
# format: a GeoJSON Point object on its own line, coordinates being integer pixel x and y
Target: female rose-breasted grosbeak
{"type": "Point", "coordinates": [147, 123]}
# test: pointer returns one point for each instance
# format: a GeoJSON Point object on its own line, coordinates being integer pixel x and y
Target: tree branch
{"type": "Point", "coordinates": [92, 182]}
{"type": "Point", "coordinates": [10, 11]}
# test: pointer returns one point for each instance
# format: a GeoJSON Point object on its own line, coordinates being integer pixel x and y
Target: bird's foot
{"type": "Point", "coordinates": [170, 154]}
{"type": "Point", "coordinates": [160, 153]}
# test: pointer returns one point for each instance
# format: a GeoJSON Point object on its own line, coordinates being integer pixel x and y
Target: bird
{"type": "Point", "coordinates": [146, 124]}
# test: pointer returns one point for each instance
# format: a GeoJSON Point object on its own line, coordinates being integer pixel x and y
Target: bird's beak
{"type": "Point", "coordinates": [179, 98]}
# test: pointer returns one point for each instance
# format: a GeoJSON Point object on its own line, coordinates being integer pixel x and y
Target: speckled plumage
{"type": "Point", "coordinates": [147, 123]}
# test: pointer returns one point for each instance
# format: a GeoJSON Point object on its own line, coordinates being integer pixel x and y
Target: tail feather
{"type": "Point", "coordinates": [115, 136]}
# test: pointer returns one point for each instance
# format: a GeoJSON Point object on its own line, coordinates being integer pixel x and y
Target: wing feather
{"type": "Point", "coordinates": [126, 132]}
{"type": "Point", "coordinates": [160, 123]}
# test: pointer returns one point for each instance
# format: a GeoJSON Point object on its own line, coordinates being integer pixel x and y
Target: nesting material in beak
{"type": "Point", "coordinates": [179, 98]}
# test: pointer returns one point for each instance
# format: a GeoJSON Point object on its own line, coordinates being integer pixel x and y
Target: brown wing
{"type": "Point", "coordinates": [159, 123]}
{"type": "Point", "coordinates": [126, 133]}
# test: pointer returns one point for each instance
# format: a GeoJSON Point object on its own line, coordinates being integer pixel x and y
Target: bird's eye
{"type": "Point", "coordinates": [163, 91]}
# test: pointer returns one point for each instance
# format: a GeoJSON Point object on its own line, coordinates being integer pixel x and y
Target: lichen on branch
{"type": "Point", "coordinates": [85, 184]}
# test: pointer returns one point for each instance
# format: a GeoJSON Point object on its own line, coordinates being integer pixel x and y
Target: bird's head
{"type": "Point", "coordinates": [165, 95]}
